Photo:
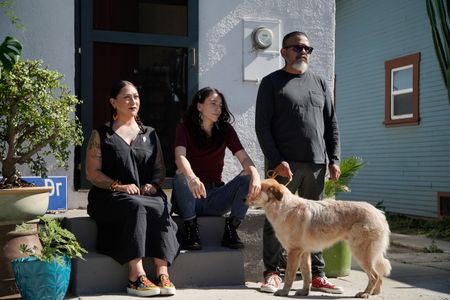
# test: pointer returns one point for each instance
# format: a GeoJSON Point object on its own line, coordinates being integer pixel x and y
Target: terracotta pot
{"type": "Point", "coordinates": [10, 240]}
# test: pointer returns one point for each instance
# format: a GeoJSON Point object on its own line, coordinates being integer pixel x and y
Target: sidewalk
{"type": "Point", "coordinates": [418, 243]}
{"type": "Point", "coordinates": [415, 275]}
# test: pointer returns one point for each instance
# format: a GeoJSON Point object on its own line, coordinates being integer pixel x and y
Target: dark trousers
{"type": "Point", "coordinates": [308, 181]}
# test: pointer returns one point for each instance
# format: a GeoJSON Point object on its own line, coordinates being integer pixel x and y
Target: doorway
{"type": "Point", "coordinates": [151, 43]}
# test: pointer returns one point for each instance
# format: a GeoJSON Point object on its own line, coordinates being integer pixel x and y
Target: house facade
{"type": "Point", "coordinates": [392, 106]}
{"type": "Point", "coordinates": [169, 49]}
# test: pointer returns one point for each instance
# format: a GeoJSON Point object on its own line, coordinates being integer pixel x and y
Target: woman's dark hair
{"type": "Point", "coordinates": [115, 90]}
{"type": "Point", "coordinates": [193, 121]}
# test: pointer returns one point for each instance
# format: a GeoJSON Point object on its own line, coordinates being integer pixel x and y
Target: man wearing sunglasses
{"type": "Point", "coordinates": [297, 130]}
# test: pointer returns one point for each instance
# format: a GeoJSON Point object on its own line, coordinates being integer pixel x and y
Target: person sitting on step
{"type": "Point", "coordinates": [125, 164]}
{"type": "Point", "coordinates": [198, 189]}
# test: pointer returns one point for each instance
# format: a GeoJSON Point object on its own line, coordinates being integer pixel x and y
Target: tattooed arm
{"type": "Point", "coordinates": [94, 163]}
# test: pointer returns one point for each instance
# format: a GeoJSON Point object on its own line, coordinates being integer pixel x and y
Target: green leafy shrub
{"type": "Point", "coordinates": [37, 120]}
{"type": "Point", "coordinates": [56, 242]}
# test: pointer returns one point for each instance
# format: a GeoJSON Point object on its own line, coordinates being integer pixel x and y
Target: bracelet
{"type": "Point", "coordinates": [192, 179]}
{"type": "Point", "coordinates": [114, 185]}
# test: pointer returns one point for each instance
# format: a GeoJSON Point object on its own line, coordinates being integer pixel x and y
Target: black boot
{"type": "Point", "coordinates": [230, 237]}
{"type": "Point", "coordinates": [192, 239]}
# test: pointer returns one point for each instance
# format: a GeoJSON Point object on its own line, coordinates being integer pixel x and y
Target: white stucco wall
{"type": "Point", "coordinates": [50, 36]}
{"type": "Point", "coordinates": [220, 54]}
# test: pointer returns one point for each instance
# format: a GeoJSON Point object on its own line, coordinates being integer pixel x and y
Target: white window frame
{"type": "Point", "coordinates": [400, 92]}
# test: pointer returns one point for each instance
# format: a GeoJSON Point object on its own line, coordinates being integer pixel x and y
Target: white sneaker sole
{"type": "Point", "coordinates": [329, 291]}
{"type": "Point", "coordinates": [144, 293]}
{"type": "Point", "coordinates": [268, 289]}
{"type": "Point", "coordinates": [168, 291]}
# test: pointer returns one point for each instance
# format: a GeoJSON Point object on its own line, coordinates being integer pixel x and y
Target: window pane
{"type": "Point", "coordinates": [403, 79]}
{"type": "Point", "coordinates": [403, 104]}
{"type": "Point", "coordinates": [143, 16]}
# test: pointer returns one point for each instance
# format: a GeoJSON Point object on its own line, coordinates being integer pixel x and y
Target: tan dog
{"type": "Point", "coordinates": [303, 226]}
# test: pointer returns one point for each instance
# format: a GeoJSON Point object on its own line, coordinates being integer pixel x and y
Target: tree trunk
{"type": "Point", "coordinates": [9, 171]}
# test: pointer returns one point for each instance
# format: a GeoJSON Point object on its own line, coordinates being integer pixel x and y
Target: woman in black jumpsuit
{"type": "Point", "coordinates": [125, 164]}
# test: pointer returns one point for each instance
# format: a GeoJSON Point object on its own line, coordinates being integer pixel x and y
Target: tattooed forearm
{"type": "Point", "coordinates": [94, 145]}
{"type": "Point", "coordinates": [101, 181]}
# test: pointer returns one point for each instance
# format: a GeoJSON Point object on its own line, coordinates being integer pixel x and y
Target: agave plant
{"type": "Point", "coordinates": [441, 37]}
{"type": "Point", "coordinates": [349, 168]}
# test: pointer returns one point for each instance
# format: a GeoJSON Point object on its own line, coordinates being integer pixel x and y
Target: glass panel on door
{"type": "Point", "coordinates": [167, 17]}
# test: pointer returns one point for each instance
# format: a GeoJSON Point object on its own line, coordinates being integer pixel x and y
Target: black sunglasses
{"type": "Point", "coordinates": [300, 48]}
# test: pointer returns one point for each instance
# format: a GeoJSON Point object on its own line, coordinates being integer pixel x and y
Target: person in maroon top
{"type": "Point", "coordinates": [201, 140]}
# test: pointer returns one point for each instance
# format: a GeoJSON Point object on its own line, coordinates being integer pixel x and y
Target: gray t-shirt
{"type": "Point", "coordinates": [295, 119]}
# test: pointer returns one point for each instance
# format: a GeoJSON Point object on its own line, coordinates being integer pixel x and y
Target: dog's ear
{"type": "Point", "coordinates": [277, 191]}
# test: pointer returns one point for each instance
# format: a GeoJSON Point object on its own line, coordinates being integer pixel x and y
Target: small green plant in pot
{"type": "Point", "coordinates": [45, 273]}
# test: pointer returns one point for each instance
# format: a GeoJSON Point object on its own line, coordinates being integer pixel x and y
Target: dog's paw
{"type": "Point", "coordinates": [302, 292]}
{"type": "Point", "coordinates": [376, 291]}
{"type": "Point", "coordinates": [362, 295]}
{"type": "Point", "coordinates": [281, 293]}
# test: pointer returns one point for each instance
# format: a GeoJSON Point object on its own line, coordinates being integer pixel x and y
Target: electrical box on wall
{"type": "Point", "coordinates": [261, 48]}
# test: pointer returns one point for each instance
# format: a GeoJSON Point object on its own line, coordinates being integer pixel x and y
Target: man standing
{"type": "Point", "coordinates": [298, 134]}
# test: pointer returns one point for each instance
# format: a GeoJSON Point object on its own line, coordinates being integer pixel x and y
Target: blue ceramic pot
{"type": "Point", "coordinates": [40, 280]}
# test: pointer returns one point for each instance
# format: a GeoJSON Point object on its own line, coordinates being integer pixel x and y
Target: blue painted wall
{"type": "Point", "coordinates": [406, 166]}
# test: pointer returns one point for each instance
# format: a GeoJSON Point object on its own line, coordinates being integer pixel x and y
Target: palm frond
{"type": "Point", "coordinates": [349, 168]}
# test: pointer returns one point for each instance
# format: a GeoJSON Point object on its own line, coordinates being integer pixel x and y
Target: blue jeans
{"type": "Point", "coordinates": [218, 201]}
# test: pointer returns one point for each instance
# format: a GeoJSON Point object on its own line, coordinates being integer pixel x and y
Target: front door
{"type": "Point", "coordinates": [151, 43]}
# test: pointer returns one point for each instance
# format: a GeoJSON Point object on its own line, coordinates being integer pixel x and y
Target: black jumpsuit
{"type": "Point", "coordinates": [132, 226]}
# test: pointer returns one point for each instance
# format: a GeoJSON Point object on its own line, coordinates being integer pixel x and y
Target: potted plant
{"type": "Point", "coordinates": [338, 257]}
{"type": "Point", "coordinates": [45, 273]}
{"type": "Point", "coordinates": [37, 122]}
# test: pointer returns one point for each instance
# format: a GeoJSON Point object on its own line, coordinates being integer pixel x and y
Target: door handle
{"type": "Point", "coordinates": [194, 57]}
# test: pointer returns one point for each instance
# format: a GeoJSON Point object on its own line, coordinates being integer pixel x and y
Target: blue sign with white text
{"type": "Point", "coordinates": [58, 194]}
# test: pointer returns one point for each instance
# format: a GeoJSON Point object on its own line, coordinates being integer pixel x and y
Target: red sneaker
{"type": "Point", "coordinates": [271, 282]}
{"type": "Point", "coordinates": [321, 284]}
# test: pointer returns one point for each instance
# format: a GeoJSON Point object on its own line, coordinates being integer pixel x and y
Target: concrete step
{"type": "Point", "coordinates": [212, 266]}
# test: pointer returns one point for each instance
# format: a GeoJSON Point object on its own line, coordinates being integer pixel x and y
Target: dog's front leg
{"type": "Point", "coordinates": [305, 268]}
{"type": "Point", "coordinates": [293, 261]}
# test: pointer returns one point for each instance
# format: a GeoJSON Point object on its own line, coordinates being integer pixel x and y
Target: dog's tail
{"type": "Point", "coordinates": [383, 266]}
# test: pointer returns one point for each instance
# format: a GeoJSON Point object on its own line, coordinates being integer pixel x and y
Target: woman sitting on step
{"type": "Point", "coordinates": [125, 164]}
{"type": "Point", "coordinates": [198, 188]}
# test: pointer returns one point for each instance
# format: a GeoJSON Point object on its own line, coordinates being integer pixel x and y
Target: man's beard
{"type": "Point", "coordinates": [300, 66]}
